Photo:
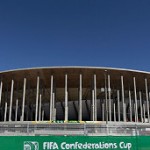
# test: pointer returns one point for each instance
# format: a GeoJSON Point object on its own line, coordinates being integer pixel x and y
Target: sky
{"type": "Point", "coordinates": [102, 33]}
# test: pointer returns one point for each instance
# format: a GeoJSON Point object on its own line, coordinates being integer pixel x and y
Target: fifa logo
{"type": "Point", "coordinates": [31, 145]}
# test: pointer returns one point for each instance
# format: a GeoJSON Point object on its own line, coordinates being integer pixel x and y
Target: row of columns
{"type": "Point", "coordinates": [106, 108]}
{"type": "Point", "coordinates": [117, 113]}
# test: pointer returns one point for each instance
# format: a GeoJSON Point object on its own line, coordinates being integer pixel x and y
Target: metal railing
{"type": "Point", "coordinates": [79, 129]}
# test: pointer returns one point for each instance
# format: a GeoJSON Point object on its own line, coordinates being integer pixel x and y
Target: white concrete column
{"type": "Point", "coordinates": [37, 98]}
{"type": "Point", "coordinates": [93, 107]}
{"type": "Point", "coordinates": [135, 96]}
{"type": "Point", "coordinates": [106, 102]}
{"type": "Point", "coordinates": [95, 99]}
{"type": "Point", "coordinates": [114, 113]}
{"type": "Point", "coordinates": [5, 113]}
{"type": "Point", "coordinates": [51, 99]}
{"type": "Point", "coordinates": [149, 104]}
{"type": "Point", "coordinates": [144, 112]}
{"type": "Point", "coordinates": [16, 111]}
{"type": "Point", "coordinates": [125, 112]}
{"type": "Point", "coordinates": [135, 113]}
{"type": "Point", "coordinates": [53, 108]}
{"type": "Point", "coordinates": [141, 109]}
{"type": "Point", "coordinates": [130, 106]}
{"type": "Point", "coordinates": [40, 107]}
{"type": "Point", "coordinates": [23, 101]}
{"type": "Point", "coordinates": [80, 99]}
{"type": "Point", "coordinates": [109, 97]}
{"type": "Point", "coordinates": [103, 113]}
{"type": "Point", "coordinates": [147, 99]}
{"type": "Point", "coordinates": [1, 87]}
{"type": "Point", "coordinates": [11, 99]}
{"type": "Point", "coordinates": [42, 115]}
{"type": "Point", "coordinates": [122, 90]}
{"type": "Point", "coordinates": [66, 98]}
{"type": "Point", "coordinates": [118, 102]}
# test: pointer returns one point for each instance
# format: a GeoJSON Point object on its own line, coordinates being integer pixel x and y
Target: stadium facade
{"type": "Point", "coordinates": [75, 93]}
{"type": "Point", "coordinates": [74, 108]}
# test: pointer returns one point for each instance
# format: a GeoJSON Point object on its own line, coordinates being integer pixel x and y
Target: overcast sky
{"type": "Point", "coordinates": [111, 33]}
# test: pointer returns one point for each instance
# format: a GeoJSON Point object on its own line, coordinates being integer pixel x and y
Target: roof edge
{"type": "Point", "coordinates": [78, 67]}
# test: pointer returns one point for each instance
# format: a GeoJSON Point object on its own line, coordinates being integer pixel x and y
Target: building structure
{"type": "Point", "coordinates": [75, 93]}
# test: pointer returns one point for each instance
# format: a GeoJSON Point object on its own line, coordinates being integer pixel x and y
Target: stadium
{"type": "Point", "coordinates": [87, 106]}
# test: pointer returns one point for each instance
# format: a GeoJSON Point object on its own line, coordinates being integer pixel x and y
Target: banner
{"type": "Point", "coordinates": [74, 142]}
